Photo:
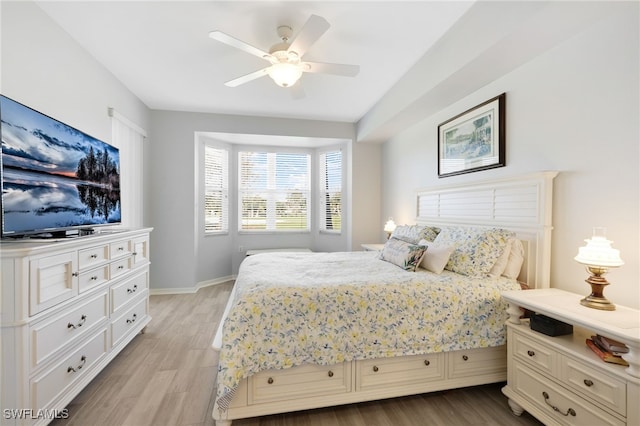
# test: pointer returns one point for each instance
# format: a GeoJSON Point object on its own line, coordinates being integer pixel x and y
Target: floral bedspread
{"type": "Point", "coordinates": [326, 308]}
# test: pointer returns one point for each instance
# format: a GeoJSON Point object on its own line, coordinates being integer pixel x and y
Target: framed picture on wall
{"type": "Point", "coordinates": [474, 140]}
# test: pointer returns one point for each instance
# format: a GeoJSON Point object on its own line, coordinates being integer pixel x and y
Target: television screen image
{"type": "Point", "coordinates": [54, 177]}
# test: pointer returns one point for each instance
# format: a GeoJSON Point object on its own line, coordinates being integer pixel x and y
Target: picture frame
{"type": "Point", "coordinates": [473, 140]}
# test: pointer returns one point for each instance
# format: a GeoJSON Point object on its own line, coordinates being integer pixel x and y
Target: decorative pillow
{"type": "Point", "coordinates": [475, 249]}
{"type": "Point", "coordinates": [414, 233]}
{"type": "Point", "coordinates": [403, 254]}
{"type": "Point", "coordinates": [501, 264]}
{"type": "Point", "coordinates": [435, 257]}
{"type": "Point", "coordinates": [516, 259]}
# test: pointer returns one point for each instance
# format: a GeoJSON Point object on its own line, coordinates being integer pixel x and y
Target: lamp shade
{"type": "Point", "coordinates": [598, 252]}
{"type": "Point", "coordinates": [390, 226]}
{"type": "Point", "coordinates": [285, 74]}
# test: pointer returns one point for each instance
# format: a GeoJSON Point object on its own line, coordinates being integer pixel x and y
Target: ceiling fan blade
{"type": "Point", "coordinates": [247, 78]}
{"type": "Point", "coordinates": [309, 34]}
{"type": "Point", "coordinates": [336, 69]}
{"type": "Point", "coordinates": [239, 44]}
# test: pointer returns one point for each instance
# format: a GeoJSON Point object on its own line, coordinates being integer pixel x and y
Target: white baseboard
{"type": "Point", "coordinates": [191, 290]}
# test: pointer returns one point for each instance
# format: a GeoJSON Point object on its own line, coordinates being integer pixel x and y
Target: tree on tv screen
{"type": "Point", "coordinates": [99, 168]}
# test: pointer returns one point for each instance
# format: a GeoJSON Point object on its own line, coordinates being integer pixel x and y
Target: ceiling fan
{"type": "Point", "coordinates": [287, 65]}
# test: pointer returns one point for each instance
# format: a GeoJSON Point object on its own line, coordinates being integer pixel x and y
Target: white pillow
{"type": "Point", "coordinates": [516, 259]}
{"type": "Point", "coordinates": [501, 264]}
{"type": "Point", "coordinates": [435, 257]}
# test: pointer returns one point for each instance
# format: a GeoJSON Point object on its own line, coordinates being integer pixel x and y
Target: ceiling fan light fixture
{"type": "Point", "coordinates": [285, 74]}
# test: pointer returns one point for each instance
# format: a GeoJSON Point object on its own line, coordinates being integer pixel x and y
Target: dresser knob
{"type": "Point", "coordinates": [531, 353]}
{"type": "Point", "coordinates": [464, 357]}
{"type": "Point", "coordinates": [270, 380]}
{"type": "Point", "coordinates": [94, 256]}
{"type": "Point", "coordinates": [426, 362]}
{"type": "Point", "coordinates": [330, 373]}
{"type": "Point", "coordinates": [83, 360]}
{"type": "Point", "coordinates": [133, 319]}
{"type": "Point", "coordinates": [375, 368]}
{"type": "Point", "coordinates": [588, 382]}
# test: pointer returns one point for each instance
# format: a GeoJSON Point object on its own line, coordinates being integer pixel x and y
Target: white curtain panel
{"type": "Point", "coordinates": [129, 138]}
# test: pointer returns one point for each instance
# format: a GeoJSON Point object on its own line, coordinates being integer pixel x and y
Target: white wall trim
{"type": "Point", "coordinates": [191, 290]}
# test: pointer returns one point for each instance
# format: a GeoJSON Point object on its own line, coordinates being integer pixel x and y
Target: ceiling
{"type": "Point", "coordinates": [160, 50]}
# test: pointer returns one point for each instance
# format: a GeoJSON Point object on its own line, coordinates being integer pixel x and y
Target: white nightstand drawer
{"type": "Point", "coordinates": [597, 385]}
{"type": "Point", "coordinates": [386, 372]}
{"type": "Point", "coordinates": [570, 409]}
{"type": "Point", "coordinates": [534, 353]}
{"type": "Point", "coordinates": [119, 249]}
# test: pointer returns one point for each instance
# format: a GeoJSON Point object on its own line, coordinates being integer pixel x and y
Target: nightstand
{"type": "Point", "coordinates": [559, 380]}
{"type": "Point", "coordinates": [372, 247]}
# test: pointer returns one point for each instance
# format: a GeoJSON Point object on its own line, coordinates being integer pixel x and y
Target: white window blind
{"type": "Point", "coordinates": [274, 190]}
{"type": "Point", "coordinates": [331, 191]}
{"type": "Point", "coordinates": [216, 190]}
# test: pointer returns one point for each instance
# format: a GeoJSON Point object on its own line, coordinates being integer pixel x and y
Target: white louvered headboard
{"type": "Point", "coordinates": [522, 204]}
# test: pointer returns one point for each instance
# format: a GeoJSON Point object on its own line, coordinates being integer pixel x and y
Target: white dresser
{"type": "Point", "coordinates": [68, 307]}
{"type": "Point", "coordinates": [559, 380]}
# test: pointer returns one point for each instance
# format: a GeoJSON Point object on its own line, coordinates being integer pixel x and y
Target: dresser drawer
{"type": "Point", "coordinates": [94, 256]}
{"type": "Point", "coordinates": [607, 390]}
{"type": "Point", "coordinates": [534, 353]}
{"type": "Point", "coordinates": [93, 278]}
{"type": "Point", "coordinates": [474, 362]}
{"type": "Point", "coordinates": [119, 249]}
{"type": "Point", "coordinates": [122, 293]}
{"type": "Point", "coordinates": [571, 409]}
{"type": "Point", "coordinates": [297, 382]}
{"type": "Point", "coordinates": [51, 335]}
{"type": "Point", "coordinates": [54, 381]}
{"type": "Point", "coordinates": [383, 373]}
{"type": "Point", "coordinates": [119, 267]}
{"type": "Point", "coordinates": [53, 279]}
{"type": "Point", "coordinates": [130, 321]}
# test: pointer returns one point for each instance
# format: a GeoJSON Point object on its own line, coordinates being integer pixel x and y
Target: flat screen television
{"type": "Point", "coordinates": [56, 180]}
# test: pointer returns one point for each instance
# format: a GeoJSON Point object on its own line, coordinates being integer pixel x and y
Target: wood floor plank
{"type": "Point", "coordinates": [166, 376]}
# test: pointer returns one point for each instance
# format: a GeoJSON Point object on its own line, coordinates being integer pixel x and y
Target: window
{"type": "Point", "coordinates": [273, 189]}
{"type": "Point", "coordinates": [331, 191]}
{"type": "Point", "coordinates": [216, 190]}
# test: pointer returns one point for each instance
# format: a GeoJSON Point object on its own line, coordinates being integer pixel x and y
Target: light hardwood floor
{"type": "Point", "coordinates": [165, 377]}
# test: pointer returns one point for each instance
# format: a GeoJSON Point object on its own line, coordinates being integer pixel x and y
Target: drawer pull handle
{"type": "Point", "coordinates": [83, 318]}
{"type": "Point", "coordinates": [74, 274]}
{"type": "Point", "coordinates": [426, 362]}
{"type": "Point", "coordinates": [464, 357]}
{"type": "Point", "coordinates": [270, 380]}
{"type": "Point", "coordinates": [588, 383]}
{"type": "Point", "coordinates": [120, 248]}
{"type": "Point", "coordinates": [375, 368]}
{"type": "Point", "coordinates": [133, 319]}
{"type": "Point", "coordinates": [135, 287]}
{"type": "Point", "coordinates": [83, 360]}
{"type": "Point", "coordinates": [330, 373]}
{"type": "Point", "coordinates": [94, 256]}
{"type": "Point", "coordinates": [531, 353]}
{"type": "Point", "coordinates": [569, 411]}
{"type": "Point", "coordinates": [121, 267]}
{"type": "Point", "coordinates": [135, 253]}
{"type": "Point", "coordinates": [94, 278]}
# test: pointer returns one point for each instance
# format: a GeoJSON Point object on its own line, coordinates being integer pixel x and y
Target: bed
{"type": "Point", "coordinates": [309, 330]}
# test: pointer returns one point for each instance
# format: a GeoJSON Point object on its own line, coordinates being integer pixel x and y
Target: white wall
{"type": "Point", "coordinates": [45, 69]}
{"type": "Point", "coordinates": [574, 109]}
